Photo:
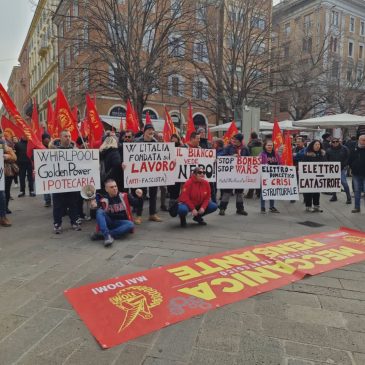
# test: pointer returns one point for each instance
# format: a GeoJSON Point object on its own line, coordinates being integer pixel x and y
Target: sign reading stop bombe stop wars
{"type": "Point", "coordinates": [319, 177]}
{"type": "Point", "coordinates": [66, 170]}
{"type": "Point", "coordinates": [149, 164]}
{"type": "Point", "coordinates": [189, 158]}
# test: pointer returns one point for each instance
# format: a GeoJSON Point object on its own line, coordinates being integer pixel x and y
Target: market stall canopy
{"type": "Point", "coordinates": [224, 127]}
{"type": "Point", "coordinates": [332, 121]}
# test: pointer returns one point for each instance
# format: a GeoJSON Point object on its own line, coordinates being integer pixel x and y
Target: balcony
{"type": "Point", "coordinates": [43, 50]}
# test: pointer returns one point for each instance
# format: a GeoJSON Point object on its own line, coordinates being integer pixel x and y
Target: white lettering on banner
{"type": "Point", "coordinates": [2, 173]}
{"type": "Point", "coordinates": [188, 159]}
{"type": "Point", "coordinates": [279, 183]}
{"type": "Point", "coordinates": [149, 164]}
{"type": "Point", "coordinates": [65, 170]}
{"type": "Point", "coordinates": [319, 177]}
{"type": "Point", "coordinates": [242, 172]}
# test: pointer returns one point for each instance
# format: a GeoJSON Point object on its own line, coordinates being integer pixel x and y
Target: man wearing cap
{"type": "Point", "coordinates": [235, 148]}
{"type": "Point", "coordinates": [148, 137]}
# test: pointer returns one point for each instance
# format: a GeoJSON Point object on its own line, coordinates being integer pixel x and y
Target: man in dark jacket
{"type": "Point", "coordinates": [204, 143]}
{"type": "Point", "coordinates": [357, 164]}
{"type": "Point", "coordinates": [235, 148]}
{"type": "Point", "coordinates": [339, 153]}
{"type": "Point", "coordinates": [25, 167]}
{"type": "Point", "coordinates": [255, 148]}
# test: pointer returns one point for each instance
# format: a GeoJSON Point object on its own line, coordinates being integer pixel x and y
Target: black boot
{"type": "Point", "coordinates": [240, 210]}
{"type": "Point", "coordinates": [222, 208]}
{"type": "Point", "coordinates": [183, 221]}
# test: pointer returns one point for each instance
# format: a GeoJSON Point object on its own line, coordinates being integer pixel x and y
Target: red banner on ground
{"type": "Point", "coordinates": [125, 307]}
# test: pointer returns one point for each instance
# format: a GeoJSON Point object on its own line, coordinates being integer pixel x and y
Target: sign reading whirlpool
{"type": "Point", "coordinates": [129, 306]}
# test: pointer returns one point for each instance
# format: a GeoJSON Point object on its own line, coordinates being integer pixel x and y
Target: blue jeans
{"type": "Point", "coordinates": [115, 228]}
{"type": "Point", "coordinates": [2, 204]}
{"type": "Point", "coordinates": [183, 209]}
{"type": "Point", "coordinates": [344, 184]}
{"type": "Point", "coordinates": [47, 198]}
{"type": "Point", "coordinates": [271, 203]}
{"type": "Point", "coordinates": [359, 186]}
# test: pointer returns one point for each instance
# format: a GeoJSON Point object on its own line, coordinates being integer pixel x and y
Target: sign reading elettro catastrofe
{"type": "Point", "coordinates": [319, 177]}
{"type": "Point", "coordinates": [2, 173]}
{"type": "Point", "coordinates": [65, 170]}
{"type": "Point", "coordinates": [149, 164]}
{"type": "Point", "coordinates": [242, 172]}
{"type": "Point", "coordinates": [189, 158]}
{"type": "Point", "coordinates": [279, 182]}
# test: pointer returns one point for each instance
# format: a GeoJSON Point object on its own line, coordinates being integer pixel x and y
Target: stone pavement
{"type": "Point", "coordinates": [320, 320]}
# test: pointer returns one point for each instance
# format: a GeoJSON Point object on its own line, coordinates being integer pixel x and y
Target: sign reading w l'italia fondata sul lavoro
{"type": "Point", "coordinates": [242, 172]}
{"type": "Point", "coordinates": [125, 307]}
{"type": "Point", "coordinates": [149, 164]}
{"type": "Point", "coordinates": [319, 177]}
{"type": "Point", "coordinates": [65, 170]}
{"type": "Point", "coordinates": [279, 182]}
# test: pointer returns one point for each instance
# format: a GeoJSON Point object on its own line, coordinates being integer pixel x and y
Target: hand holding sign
{"type": "Point", "coordinates": [139, 193]}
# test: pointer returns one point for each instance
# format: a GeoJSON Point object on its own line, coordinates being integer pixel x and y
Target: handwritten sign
{"type": "Point", "coordinates": [2, 173]}
{"type": "Point", "coordinates": [189, 158]}
{"type": "Point", "coordinates": [149, 164]}
{"type": "Point", "coordinates": [319, 177]}
{"type": "Point", "coordinates": [65, 170]}
{"type": "Point", "coordinates": [279, 183]}
{"type": "Point", "coordinates": [241, 172]}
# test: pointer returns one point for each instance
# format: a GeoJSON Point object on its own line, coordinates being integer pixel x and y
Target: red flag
{"type": "Point", "coordinates": [85, 128]}
{"type": "Point", "coordinates": [10, 129]}
{"type": "Point", "coordinates": [131, 123]}
{"type": "Point", "coordinates": [148, 118]}
{"type": "Point", "coordinates": [277, 136]}
{"type": "Point", "coordinates": [63, 115]}
{"type": "Point", "coordinates": [35, 121]}
{"type": "Point", "coordinates": [169, 127]}
{"type": "Point", "coordinates": [95, 124]}
{"type": "Point", "coordinates": [190, 127]}
{"type": "Point", "coordinates": [210, 137]}
{"type": "Point", "coordinates": [232, 130]}
{"type": "Point", "coordinates": [51, 124]}
{"type": "Point", "coordinates": [75, 113]}
{"type": "Point", "coordinates": [121, 128]}
{"type": "Point", "coordinates": [287, 156]}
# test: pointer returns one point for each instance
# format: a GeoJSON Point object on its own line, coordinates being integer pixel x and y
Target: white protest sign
{"type": "Point", "coordinates": [319, 177]}
{"type": "Point", "coordinates": [242, 172]}
{"type": "Point", "coordinates": [2, 173]}
{"type": "Point", "coordinates": [189, 158]}
{"type": "Point", "coordinates": [279, 183]}
{"type": "Point", "coordinates": [149, 164]}
{"type": "Point", "coordinates": [65, 170]}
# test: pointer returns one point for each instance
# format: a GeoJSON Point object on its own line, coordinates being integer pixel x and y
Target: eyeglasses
{"type": "Point", "coordinates": [335, 141]}
{"type": "Point", "coordinates": [127, 137]}
{"type": "Point", "coordinates": [201, 173]}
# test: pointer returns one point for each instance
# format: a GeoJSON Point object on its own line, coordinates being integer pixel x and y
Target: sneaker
{"type": "Point", "coordinates": [154, 218]}
{"type": "Point", "coordinates": [96, 236]}
{"type": "Point", "coordinates": [333, 199]}
{"type": "Point", "coordinates": [199, 220]}
{"type": "Point", "coordinates": [292, 201]}
{"type": "Point", "coordinates": [263, 211]}
{"type": "Point", "coordinates": [21, 195]}
{"type": "Point", "coordinates": [308, 209]}
{"type": "Point", "coordinates": [108, 241]}
{"type": "Point", "coordinates": [4, 222]}
{"type": "Point", "coordinates": [32, 194]}
{"type": "Point", "coordinates": [273, 210]}
{"type": "Point", "coordinates": [79, 220]}
{"type": "Point", "coordinates": [183, 221]}
{"type": "Point", "coordinates": [57, 228]}
{"type": "Point", "coordinates": [16, 185]}
{"type": "Point", "coordinates": [222, 212]}
{"type": "Point", "coordinates": [47, 204]}
{"type": "Point", "coordinates": [138, 220]}
{"type": "Point", "coordinates": [76, 227]}
{"type": "Point", "coordinates": [348, 201]}
{"type": "Point", "coordinates": [356, 210]}
{"type": "Point", "coordinates": [317, 209]}
{"type": "Point", "coordinates": [87, 218]}
{"type": "Point", "coordinates": [8, 211]}
{"type": "Point", "coordinates": [241, 212]}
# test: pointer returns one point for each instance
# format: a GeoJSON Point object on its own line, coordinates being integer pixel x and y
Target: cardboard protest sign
{"type": "Point", "coordinates": [319, 177]}
{"type": "Point", "coordinates": [149, 164]}
{"type": "Point", "coordinates": [2, 173]}
{"type": "Point", "coordinates": [129, 306]}
{"type": "Point", "coordinates": [188, 159]}
{"type": "Point", "coordinates": [65, 170]}
{"type": "Point", "coordinates": [241, 172]}
{"type": "Point", "coordinates": [279, 183]}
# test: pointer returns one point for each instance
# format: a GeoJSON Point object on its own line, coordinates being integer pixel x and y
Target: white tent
{"type": "Point", "coordinates": [224, 127]}
{"type": "Point", "coordinates": [332, 121]}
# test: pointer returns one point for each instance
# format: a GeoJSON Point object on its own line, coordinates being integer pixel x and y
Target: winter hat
{"type": "Point", "coordinates": [45, 135]}
{"type": "Point", "coordinates": [148, 126]}
{"type": "Point", "coordinates": [238, 136]}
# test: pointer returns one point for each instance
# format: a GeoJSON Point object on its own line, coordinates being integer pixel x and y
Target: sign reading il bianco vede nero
{"type": "Point", "coordinates": [189, 158]}
{"type": "Point", "coordinates": [319, 177]}
{"type": "Point", "coordinates": [65, 170]}
{"type": "Point", "coordinates": [242, 172]}
{"type": "Point", "coordinates": [149, 164]}
{"type": "Point", "coordinates": [279, 183]}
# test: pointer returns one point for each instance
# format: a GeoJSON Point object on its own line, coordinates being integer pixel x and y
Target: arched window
{"type": "Point", "coordinates": [199, 120]}
{"type": "Point", "coordinates": [151, 112]}
{"type": "Point", "coordinates": [118, 111]}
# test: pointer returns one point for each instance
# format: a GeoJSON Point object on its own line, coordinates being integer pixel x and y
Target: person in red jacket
{"type": "Point", "coordinates": [195, 198]}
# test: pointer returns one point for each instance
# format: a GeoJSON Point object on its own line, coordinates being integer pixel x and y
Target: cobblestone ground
{"type": "Point", "coordinates": [320, 320]}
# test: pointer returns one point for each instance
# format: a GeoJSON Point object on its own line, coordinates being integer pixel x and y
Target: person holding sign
{"type": "Point", "coordinates": [269, 157]}
{"type": "Point", "coordinates": [195, 198]}
{"type": "Point", "coordinates": [113, 216]}
{"type": "Point", "coordinates": [235, 148]}
{"type": "Point", "coordinates": [314, 153]}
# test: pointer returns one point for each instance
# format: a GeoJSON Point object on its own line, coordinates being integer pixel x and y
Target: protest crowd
{"type": "Point", "coordinates": [86, 171]}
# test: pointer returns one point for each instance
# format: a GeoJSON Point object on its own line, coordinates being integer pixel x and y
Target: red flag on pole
{"type": "Point", "coordinates": [10, 129]}
{"type": "Point", "coordinates": [190, 126]}
{"type": "Point", "coordinates": [51, 124]}
{"type": "Point", "coordinates": [95, 124]}
{"type": "Point", "coordinates": [169, 127]}
{"type": "Point", "coordinates": [277, 136]}
{"type": "Point", "coordinates": [131, 123]}
{"type": "Point", "coordinates": [63, 115]}
{"type": "Point", "coordinates": [35, 121]}
{"type": "Point", "coordinates": [148, 118]}
{"type": "Point", "coordinates": [232, 130]}
{"type": "Point", "coordinates": [287, 156]}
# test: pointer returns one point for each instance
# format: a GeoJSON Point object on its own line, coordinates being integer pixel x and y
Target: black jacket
{"type": "Point", "coordinates": [340, 154]}
{"type": "Point", "coordinates": [314, 156]}
{"type": "Point", "coordinates": [21, 152]}
{"type": "Point", "coordinates": [357, 162]}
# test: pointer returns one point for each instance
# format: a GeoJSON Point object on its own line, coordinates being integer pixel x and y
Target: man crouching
{"type": "Point", "coordinates": [113, 216]}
